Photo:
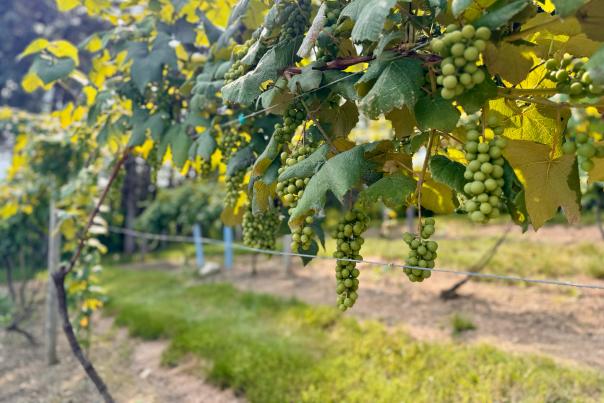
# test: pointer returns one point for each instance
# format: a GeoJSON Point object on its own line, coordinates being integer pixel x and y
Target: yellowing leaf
{"type": "Point", "coordinates": [144, 149]}
{"type": "Point", "coordinates": [90, 93]}
{"type": "Point", "coordinates": [31, 82]}
{"type": "Point", "coordinates": [35, 46]}
{"type": "Point", "coordinates": [64, 48]}
{"type": "Point", "coordinates": [66, 5]}
{"type": "Point", "coordinates": [531, 123]}
{"type": "Point", "coordinates": [68, 229]}
{"type": "Point", "coordinates": [547, 182]}
{"type": "Point", "coordinates": [437, 197]}
{"type": "Point", "coordinates": [597, 173]}
{"type": "Point", "coordinates": [8, 210]}
{"type": "Point", "coordinates": [94, 44]}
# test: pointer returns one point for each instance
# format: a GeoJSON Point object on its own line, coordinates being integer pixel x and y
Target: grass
{"type": "Point", "coordinates": [461, 324]}
{"type": "Point", "coordinates": [277, 350]}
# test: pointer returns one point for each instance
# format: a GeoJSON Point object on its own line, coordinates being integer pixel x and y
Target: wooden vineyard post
{"type": "Point", "coordinates": [54, 252]}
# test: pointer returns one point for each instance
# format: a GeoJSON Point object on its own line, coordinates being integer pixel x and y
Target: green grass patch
{"type": "Point", "coordinates": [277, 350]}
{"type": "Point", "coordinates": [460, 324]}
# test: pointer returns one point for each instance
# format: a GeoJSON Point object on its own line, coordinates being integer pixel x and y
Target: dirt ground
{"type": "Point", "coordinates": [131, 368]}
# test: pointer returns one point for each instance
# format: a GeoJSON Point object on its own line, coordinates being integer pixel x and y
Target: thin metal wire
{"type": "Point", "coordinates": [186, 239]}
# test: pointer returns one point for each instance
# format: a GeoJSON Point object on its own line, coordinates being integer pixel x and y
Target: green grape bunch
{"type": "Point", "coordinates": [328, 46]}
{"type": "Point", "coordinates": [232, 141]}
{"type": "Point", "coordinates": [294, 18]}
{"type": "Point", "coordinates": [260, 230]}
{"type": "Point", "coordinates": [484, 172]}
{"type": "Point", "coordinates": [571, 78]}
{"type": "Point", "coordinates": [581, 141]}
{"type": "Point", "coordinates": [292, 118]}
{"type": "Point", "coordinates": [205, 169]}
{"type": "Point", "coordinates": [238, 69]}
{"type": "Point", "coordinates": [349, 241]}
{"type": "Point", "coordinates": [234, 186]}
{"type": "Point", "coordinates": [291, 190]}
{"type": "Point", "coordinates": [461, 50]}
{"type": "Point", "coordinates": [422, 251]}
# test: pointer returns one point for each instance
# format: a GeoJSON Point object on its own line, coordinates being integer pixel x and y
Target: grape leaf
{"type": "Point", "coordinates": [436, 113]}
{"type": "Point", "coordinates": [448, 172]}
{"type": "Point", "coordinates": [403, 122]}
{"type": "Point", "coordinates": [597, 173]}
{"type": "Point", "coordinates": [338, 175]}
{"type": "Point", "coordinates": [533, 123]}
{"type": "Point", "coordinates": [595, 66]}
{"type": "Point", "coordinates": [459, 6]}
{"type": "Point", "coordinates": [51, 70]}
{"type": "Point", "coordinates": [241, 160]}
{"type": "Point", "coordinates": [341, 83]}
{"type": "Point", "coordinates": [147, 65]}
{"type": "Point", "coordinates": [179, 142]}
{"type": "Point", "coordinates": [474, 99]}
{"type": "Point", "coordinates": [497, 59]}
{"type": "Point", "coordinates": [246, 89]}
{"type": "Point", "coordinates": [204, 146]}
{"type": "Point", "coordinates": [591, 18]}
{"type": "Point", "coordinates": [393, 190]}
{"type": "Point", "coordinates": [306, 81]}
{"type": "Point", "coordinates": [565, 8]}
{"type": "Point", "coordinates": [369, 17]}
{"type": "Point", "coordinates": [308, 166]}
{"type": "Point", "coordinates": [340, 120]}
{"type": "Point", "coordinates": [398, 85]}
{"type": "Point", "coordinates": [493, 19]}
{"type": "Point", "coordinates": [548, 182]}
{"type": "Point", "coordinates": [437, 197]}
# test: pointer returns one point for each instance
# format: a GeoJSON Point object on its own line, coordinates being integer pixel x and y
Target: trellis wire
{"type": "Point", "coordinates": [210, 241]}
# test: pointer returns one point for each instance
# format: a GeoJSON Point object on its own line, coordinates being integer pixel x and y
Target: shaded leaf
{"type": "Point", "coordinates": [436, 113]}
{"type": "Point", "coordinates": [393, 190]}
{"type": "Point", "coordinates": [369, 17]}
{"type": "Point", "coordinates": [545, 180]}
{"type": "Point", "coordinates": [495, 18]}
{"type": "Point", "coordinates": [341, 119]}
{"type": "Point", "coordinates": [448, 172]}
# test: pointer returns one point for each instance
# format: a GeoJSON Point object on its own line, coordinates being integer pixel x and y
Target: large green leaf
{"type": "Point", "coordinates": [567, 7]}
{"type": "Point", "coordinates": [246, 89]}
{"type": "Point", "coordinates": [204, 146]}
{"type": "Point", "coordinates": [50, 70]}
{"type": "Point", "coordinates": [591, 18]}
{"type": "Point", "coordinates": [436, 113]}
{"type": "Point", "coordinates": [392, 190]}
{"type": "Point", "coordinates": [147, 65]}
{"type": "Point", "coordinates": [306, 81]}
{"type": "Point", "coordinates": [369, 17]}
{"type": "Point", "coordinates": [448, 172]}
{"type": "Point", "coordinates": [338, 175]}
{"type": "Point", "coordinates": [398, 85]}
{"type": "Point", "coordinates": [242, 159]}
{"type": "Point", "coordinates": [499, 16]}
{"type": "Point", "coordinates": [341, 83]}
{"type": "Point", "coordinates": [308, 166]}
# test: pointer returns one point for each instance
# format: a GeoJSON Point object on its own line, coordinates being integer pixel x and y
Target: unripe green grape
{"type": "Point", "coordinates": [465, 79]}
{"type": "Point", "coordinates": [495, 152]}
{"type": "Point", "coordinates": [468, 31]}
{"type": "Point", "coordinates": [576, 88]}
{"type": "Point", "coordinates": [483, 33]}
{"type": "Point", "coordinates": [472, 135]}
{"type": "Point", "coordinates": [451, 28]}
{"type": "Point", "coordinates": [490, 184]}
{"type": "Point", "coordinates": [448, 69]}
{"type": "Point", "coordinates": [479, 176]}
{"type": "Point", "coordinates": [483, 148]}
{"type": "Point", "coordinates": [447, 93]}
{"type": "Point", "coordinates": [480, 45]}
{"type": "Point", "coordinates": [561, 75]}
{"type": "Point", "coordinates": [586, 150]}
{"type": "Point", "coordinates": [482, 158]}
{"type": "Point", "coordinates": [477, 216]}
{"type": "Point", "coordinates": [477, 187]}
{"type": "Point", "coordinates": [587, 165]}
{"type": "Point", "coordinates": [459, 61]}
{"type": "Point", "coordinates": [497, 172]}
{"type": "Point", "coordinates": [478, 76]}
{"type": "Point", "coordinates": [487, 168]}
{"type": "Point", "coordinates": [474, 166]}
{"type": "Point", "coordinates": [551, 64]}
{"type": "Point", "coordinates": [437, 45]}
{"type": "Point", "coordinates": [581, 138]}
{"type": "Point", "coordinates": [471, 54]}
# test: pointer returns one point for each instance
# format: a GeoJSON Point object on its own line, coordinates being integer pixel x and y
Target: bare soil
{"type": "Point", "coordinates": [131, 367]}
